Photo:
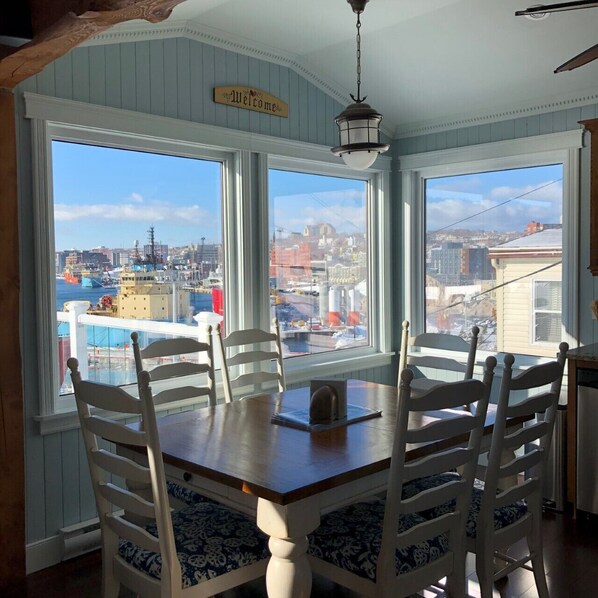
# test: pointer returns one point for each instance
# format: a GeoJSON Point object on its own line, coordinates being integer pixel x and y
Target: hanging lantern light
{"type": "Point", "coordinates": [359, 123]}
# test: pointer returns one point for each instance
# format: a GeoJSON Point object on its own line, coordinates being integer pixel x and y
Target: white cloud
{"type": "Point", "coordinates": [159, 212]}
{"type": "Point", "coordinates": [136, 197]}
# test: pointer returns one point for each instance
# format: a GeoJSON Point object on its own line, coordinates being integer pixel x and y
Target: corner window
{"type": "Point", "coordinates": [491, 236]}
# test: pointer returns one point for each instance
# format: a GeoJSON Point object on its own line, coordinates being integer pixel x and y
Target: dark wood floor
{"type": "Point", "coordinates": [570, 551]}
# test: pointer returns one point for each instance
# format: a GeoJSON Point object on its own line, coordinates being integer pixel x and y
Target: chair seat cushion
{"type": "Point", "coordinates": [211, 540]}
{"type": "Point", "coordinates": [350, 538]}
{"type": "Point", "coordinates": [502, 517]}
{"type": "Point", "coordinates": [184, 494]}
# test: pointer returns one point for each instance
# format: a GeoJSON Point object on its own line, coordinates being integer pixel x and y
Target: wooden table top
{"type": "Point", "coordinates": [237, 445]}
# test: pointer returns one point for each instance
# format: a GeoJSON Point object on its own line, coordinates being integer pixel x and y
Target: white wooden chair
{"type": "Point", "coordinates": [252, 360]}
{"type": "Point", "coordinates": [510, 506]}
{"type": "Point", "coordinates": [198, 551]}
{"type": "Point", "coordinates": [423, 351]}
{"type": "Point", "coordinates": [386, 548]}
{"type": "Point", "coordinates": [178, 358]}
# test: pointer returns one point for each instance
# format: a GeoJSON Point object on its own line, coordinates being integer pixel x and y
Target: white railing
{"type": "Point", "coordinates": [118, 356]}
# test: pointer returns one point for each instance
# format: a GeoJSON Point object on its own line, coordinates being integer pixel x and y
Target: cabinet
{"type": "Point", "coordinates": [592, 127]}
{"type": "Point", "coordinates": [580, 361]}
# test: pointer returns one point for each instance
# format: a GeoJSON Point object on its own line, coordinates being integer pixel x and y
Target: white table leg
{"type": "Point", "coordinates": [289, 573]}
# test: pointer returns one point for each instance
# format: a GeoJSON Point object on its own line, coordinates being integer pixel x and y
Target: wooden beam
{"type": "Point", "coordinates": [12, 463]}
{"type": "Point", "coordinates": [71, 30]}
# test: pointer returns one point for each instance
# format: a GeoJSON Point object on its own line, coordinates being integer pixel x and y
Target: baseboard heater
{"type": "Point", "coordinates": [80, 538]}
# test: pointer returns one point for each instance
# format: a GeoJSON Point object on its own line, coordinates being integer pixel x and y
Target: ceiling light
{"type": "Point", "coordinates": [359, 123]}
{"type": "Point", "coordinates": [536, 16]}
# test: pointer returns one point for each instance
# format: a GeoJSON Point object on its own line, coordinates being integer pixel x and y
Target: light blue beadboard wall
{"type": "Point", "coordinates": [172, 78]}
{"type": "Point", "coordinates": [527, 126]}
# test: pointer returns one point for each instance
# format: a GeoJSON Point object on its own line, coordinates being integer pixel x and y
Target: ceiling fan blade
{"type": "Point", "coordinates": [560, 7]}
{"type": "Point", "coordinates": [579, 60]}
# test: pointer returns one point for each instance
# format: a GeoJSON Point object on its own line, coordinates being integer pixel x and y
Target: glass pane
{"type": "Point", "coordinates": [319, 283]}
{"type": "Point", "coordinates": [548, 296]}
{"type": "Point", "coordinates": [138, 236]}
{"type": "Point", "coordinates": [488, 236]}
{"type": "Point", "coordinates": [548, 328]}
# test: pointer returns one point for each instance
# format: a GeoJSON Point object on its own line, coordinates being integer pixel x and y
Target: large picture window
{"type": "Point", "coordinates": [138, 237]}
{"type": "Point", "coordinates": [319, 261]}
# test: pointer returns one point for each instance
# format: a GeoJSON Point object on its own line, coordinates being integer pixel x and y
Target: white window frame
{"type": "Point", "coordinates": [553, 148]}
{"type": "Point", "coordinates": [247, 160]}
{"type": "Point", "coordinates": [378, 259]}
{"type": "Point", "coordinates": [536, 311]}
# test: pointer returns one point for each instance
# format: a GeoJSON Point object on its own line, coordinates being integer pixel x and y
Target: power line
{"type": "Point", "coordinates": [504, 284]}
{"type": "Point", "coordinates": [496, 206]}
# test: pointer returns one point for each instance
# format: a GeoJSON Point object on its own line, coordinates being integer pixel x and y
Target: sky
{"type": "Point", "coordinates": [500, 201]}
{"type": "Point", "coordinates": [111, 197]}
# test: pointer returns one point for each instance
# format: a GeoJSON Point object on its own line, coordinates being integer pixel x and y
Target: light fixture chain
{"type": "Point", "coordinates": [358, 37]}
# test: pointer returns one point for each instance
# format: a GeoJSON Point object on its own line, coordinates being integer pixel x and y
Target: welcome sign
{"type": "Point", "coordinates": [251, 98]}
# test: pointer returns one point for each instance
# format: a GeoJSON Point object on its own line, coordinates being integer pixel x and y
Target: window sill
{"type": "Point", "coordinates": [297, 373]}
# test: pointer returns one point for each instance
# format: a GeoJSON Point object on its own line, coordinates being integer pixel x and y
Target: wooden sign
{"type": "Point", "coordinates": [251, 99]}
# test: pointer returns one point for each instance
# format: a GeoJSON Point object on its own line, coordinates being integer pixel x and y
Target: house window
{"type": "Point", "coordinates": [319, 260]}
{"type": "Point", "coordinates": [484, 224]}
{"type": "Point", "coordinates": [547, 311]}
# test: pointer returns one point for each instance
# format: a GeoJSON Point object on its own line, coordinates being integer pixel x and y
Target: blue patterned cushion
{"type": "Point", "coordinates": [183, 494]}
{"type": "Point", "coordinates": [210, 540]}
{"type": "Point", "coordinates": [502, 517]}
{"type": "Point", "coordinates": [350, 538]}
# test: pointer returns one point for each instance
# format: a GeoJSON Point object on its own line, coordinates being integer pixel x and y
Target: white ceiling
{"type": "Point", "coordinates": [424, 62]}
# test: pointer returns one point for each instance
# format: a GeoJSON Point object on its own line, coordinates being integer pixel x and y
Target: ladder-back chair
{"type": "Point", "coordinates": [385, 547]}
{"type": "Point", "coordinates": [252, 361]}
{"type": "Point", "coordinates": [201, 550]}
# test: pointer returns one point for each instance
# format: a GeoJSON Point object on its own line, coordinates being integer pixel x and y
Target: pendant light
{"type": "Point", "coordinates": [359, 123]}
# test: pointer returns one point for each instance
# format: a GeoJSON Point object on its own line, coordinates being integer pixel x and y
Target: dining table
{"type": "Point", "coordinates": [283, 476]}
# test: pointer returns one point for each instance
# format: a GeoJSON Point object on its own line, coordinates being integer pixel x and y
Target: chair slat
{"type": "Point", "coordinates": [114, 432]}
{"type": "Point", "coordinates": [180, 393]}
{"type": "Point", "coordinates": [111, 398]}
{"type": "Point", "coordinates": [126, 500]}
{"type": "Point", "coordinates": [437, 463]}
{"type": "Point", "coordinates": [531, 405]}
{"type": "Point", "coordinates": [173, 346]}
{"type": "Point", "coordinates": [520, 464]}
{"type": "Point", "coordinates": [433, 497]}
{"type": "Point", "coordinates": [537, 376]}
{"type": "Point", "coordinates": [516, 493]}
{"type": "Point", "coordinates": [250, 336]}
{"type": "Point", "coordinates": [425, 531]}
{"type": "Point", "coordinates": [253, 379]}
{"type": "Point", "coordinates": [434, 398]}
{"type": "Point", "coordinates": [436, 362]}
{"type": "Point", "coordinates": [525, 435]}
{"type": "Point", "coordinates": [120, 466]}
{"type": "Point", "coordinates": [442, 428]}
{"type": "Point", "coordinates": [129, 531]}
{"type": "Point", "coordinates": [178, 369]}
{"type": "Point", "coordinates": [250, 357]}
{"type": "Point", "coordinates": [435, 340]}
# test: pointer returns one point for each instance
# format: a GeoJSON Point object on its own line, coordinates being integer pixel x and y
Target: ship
{"type": "Point", "coordinates": [149, 292]}
{"type": "Point", "coordinates": [72, 275]}
{"type": "Point", "coordinates": [91, 278]}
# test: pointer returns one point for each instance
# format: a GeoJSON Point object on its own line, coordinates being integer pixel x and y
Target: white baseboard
{"type": "Point", "coordinates": [43, 554]}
